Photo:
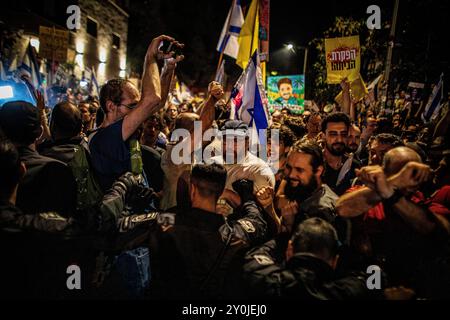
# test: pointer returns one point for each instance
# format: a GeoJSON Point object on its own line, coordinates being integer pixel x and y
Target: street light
{"type": "Point", "coordinates": [291, 47]}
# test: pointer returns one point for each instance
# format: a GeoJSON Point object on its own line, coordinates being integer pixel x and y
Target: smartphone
{"type": "Point", "coordinates": [168, 46]}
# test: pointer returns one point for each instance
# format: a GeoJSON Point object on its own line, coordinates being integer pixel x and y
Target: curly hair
{"type": "Point", "coordinates": [297, 125]}
{"type": "Point", "coordinates": [112, 91]}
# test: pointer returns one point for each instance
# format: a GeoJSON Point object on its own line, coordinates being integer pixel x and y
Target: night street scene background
{"type": "Point", "coordinates": [227, 150]}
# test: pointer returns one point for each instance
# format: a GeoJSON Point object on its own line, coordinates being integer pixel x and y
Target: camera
{"type": "Point", "coordinates": [168, 46]}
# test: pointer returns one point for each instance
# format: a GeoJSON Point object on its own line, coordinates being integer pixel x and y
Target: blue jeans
{"type": "Point", "coordinates": [133, 267]}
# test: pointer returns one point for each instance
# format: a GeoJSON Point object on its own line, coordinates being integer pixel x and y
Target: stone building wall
{"type": "Point", "coordinates": [99, 52]}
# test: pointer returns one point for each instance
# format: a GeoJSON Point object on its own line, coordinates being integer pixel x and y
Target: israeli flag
{"type": "Point", "coordinates": [30, 69]}
{"type": "Point", "coordinates": [228, 42]}
{"type": "Point", "coordinates": [434, 102]}
{"type": "Point", "coordinates": [248, 99]}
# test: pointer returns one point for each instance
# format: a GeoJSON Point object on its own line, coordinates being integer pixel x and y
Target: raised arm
{"type": "Point", "coordinates": [417, 216]}
{"type": "Point", "coordinates": [358, 202]}
{"type": "Point", "coordinates": [346, 101]}
{"type": "Point", "coordinates": [207, 111]}
{"type": "Point", "coordinates": [46, 135]}
{"type": "Point", "coordinates": [167, 76]}
{"type": "Point", "coordinates": [381, 188]}
{"type": "Point", "coordinates": [151, 93]}
{"type": "Point", "coordinates": [265, 200]}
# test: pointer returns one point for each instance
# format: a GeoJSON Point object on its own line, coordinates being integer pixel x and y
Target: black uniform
{"type": "Point", "coordinates": [197, 254]}
{"type": "Point", "coordinates": [302, 277]}
{"type": "Point", "coordinates": [37, 248]}
{"type": "Point", "coordinates": [48, 185]}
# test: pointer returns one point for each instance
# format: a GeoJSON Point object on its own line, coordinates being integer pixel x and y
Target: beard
{"type": "Point", "coordinates": [301, 192]}
{"type": "Point", "coordinates": [352, 148]}
{"type": "Point", "coordinates": [336, 149]}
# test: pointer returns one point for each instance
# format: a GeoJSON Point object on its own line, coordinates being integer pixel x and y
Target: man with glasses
{"type": "Point", "coordinates": [114, 147]}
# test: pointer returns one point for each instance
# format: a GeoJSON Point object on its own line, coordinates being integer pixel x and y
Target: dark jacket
{"type": "Point", "coordinates": [151, 160]}
{"type": "Point", "coordinates": [321, 204]}
{"type": "Point", "coordinates": [38, 248]}
{"type": "Point", "coordinates": [197, 254]}
{"type": "Point", "coordinates": [62, 150]}
{"type": "Point", "coordinates": [302, 277]}
{"type": "Point", "coordinates": [48, 185]}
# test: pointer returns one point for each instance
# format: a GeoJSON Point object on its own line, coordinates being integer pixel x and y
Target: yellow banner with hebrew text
{"type": "Point", "coordinates": [343, 56]}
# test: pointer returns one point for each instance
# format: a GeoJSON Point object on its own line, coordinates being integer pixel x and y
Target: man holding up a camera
{"type": "Point", "coordinates": [114, 147]}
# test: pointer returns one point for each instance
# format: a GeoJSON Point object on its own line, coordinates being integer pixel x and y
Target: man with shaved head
{"type": "Point", "coordinates": [68, 145]}
{"type": "Point", "coordinates": [395, 159]}
{"type": "Point", "coordinates": [401, 175]}
{"type": "Point", "coordinates": [174, 162]}
{"type": "Point", "coordinates": [394, 224]}
{"type": "Point", "coordinates": [65, 128]}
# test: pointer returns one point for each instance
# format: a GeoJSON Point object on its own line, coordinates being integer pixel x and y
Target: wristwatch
{"type": "Point", "coordinates": [393, 199]}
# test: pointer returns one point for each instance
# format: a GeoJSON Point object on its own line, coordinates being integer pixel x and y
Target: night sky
{"type": "Point", "coordinates": [198, 24]}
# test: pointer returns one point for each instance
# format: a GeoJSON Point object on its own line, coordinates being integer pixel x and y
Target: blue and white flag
{"type": "Point", "coordinates": [29, 69]}
{"type": "Point", "coordinates": [434, 102]}
{"type": "Point", "coordinates": [248, 98]}
{"type": "Point", "coordinates": [228, 42]}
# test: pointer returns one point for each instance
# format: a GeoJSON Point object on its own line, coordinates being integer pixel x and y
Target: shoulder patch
{"type": "Point", "coordinates": [166, 219]}
{"type": "Point", "coordinates": [131, 222]}
{"type": "Point", "coordinates": [52, 216]}
{"type": "Point", "coordinates": [263, 260]}
{"type": "Point", "coordinates": [144, 217]}
{"type": "Point", "coordinates": [247, 225]}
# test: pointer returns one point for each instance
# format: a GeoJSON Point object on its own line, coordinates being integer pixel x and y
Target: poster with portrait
{"type": "Point", "coordinates": [286, 91]}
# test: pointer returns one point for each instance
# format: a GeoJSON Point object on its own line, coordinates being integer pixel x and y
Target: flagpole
{"type": "Point", "coordinates": [390, 48]}
{"type": "Point", "coordinates": [253, 30]}
{"type": "Point", "coordinates": [227, 31]}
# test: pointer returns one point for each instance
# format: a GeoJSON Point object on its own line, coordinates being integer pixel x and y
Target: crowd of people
{"type": "Point", "coordinates": [98, 184]}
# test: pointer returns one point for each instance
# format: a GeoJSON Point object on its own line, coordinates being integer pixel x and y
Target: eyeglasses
{"type": "Point", "coordinates": [130, 106]}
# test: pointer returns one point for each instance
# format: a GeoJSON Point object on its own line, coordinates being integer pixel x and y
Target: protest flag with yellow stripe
{"type": "Point", "coordinates": [248, 37]}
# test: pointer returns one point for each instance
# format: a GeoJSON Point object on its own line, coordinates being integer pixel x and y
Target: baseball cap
{"type": "Point", "coordinates": [234, 128]}
{"type": "Point", "coordinates": [20, 122]}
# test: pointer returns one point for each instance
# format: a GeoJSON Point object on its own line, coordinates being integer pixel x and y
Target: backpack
{"type": "Point", "coordinates": [89, 192]}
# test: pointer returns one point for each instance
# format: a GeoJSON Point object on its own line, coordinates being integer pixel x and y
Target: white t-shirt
{"type": "Point", "coordinates": [252, 168]}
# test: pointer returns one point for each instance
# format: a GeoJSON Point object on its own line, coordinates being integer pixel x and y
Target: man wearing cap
{"type": "Point", "coordinates": [48, 184]}
{"type": "Point", "coordinates": [239, 162]}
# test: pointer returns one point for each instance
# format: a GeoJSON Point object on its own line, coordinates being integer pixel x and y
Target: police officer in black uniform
{"type": "Point", "coordinates": [198, 253]}
{"type": "Point", "coordinates": [308, 273]}
{"type": "Point", "coordinates": [37, 248]}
